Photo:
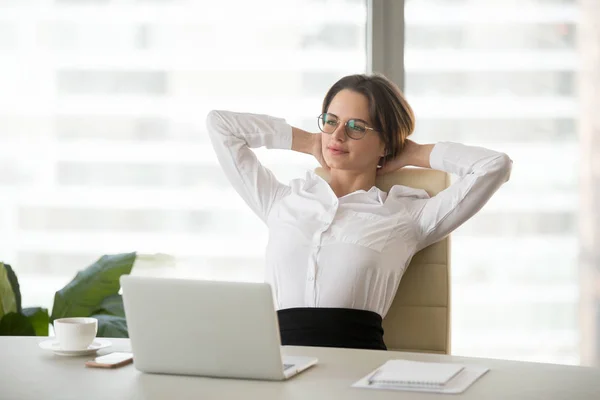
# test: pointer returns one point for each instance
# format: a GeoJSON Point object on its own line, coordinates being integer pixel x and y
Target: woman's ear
{"type": "Point", "coordinates": [383, 152]}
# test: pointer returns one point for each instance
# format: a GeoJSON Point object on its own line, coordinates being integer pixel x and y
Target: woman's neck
{"type": "Point", "coordinates": [344, 182]}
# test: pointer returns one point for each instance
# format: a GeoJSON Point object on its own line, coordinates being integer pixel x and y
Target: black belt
{"type": "Point", "coordinates": [331, 327]}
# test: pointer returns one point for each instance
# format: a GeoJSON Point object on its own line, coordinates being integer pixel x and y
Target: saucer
{"type": "Point", "coordinates": [52, 345]}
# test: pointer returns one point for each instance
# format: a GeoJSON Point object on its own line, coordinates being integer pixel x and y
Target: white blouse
{"type": "Point", "coordinates": [347, 252]}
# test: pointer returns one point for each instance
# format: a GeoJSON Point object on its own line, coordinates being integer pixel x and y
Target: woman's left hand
{"type": "Point", "coordinates": [413, 154]}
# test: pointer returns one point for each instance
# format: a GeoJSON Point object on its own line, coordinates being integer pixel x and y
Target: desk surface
{"type": "Point", "coordinates": [28, 372]}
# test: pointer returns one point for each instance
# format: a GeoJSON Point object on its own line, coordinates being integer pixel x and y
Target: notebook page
{"type": "Point", "coordinates": [404, 372]}
{"type": "Point", "coordinates": [459, 384]}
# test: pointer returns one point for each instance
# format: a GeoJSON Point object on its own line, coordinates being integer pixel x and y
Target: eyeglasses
{"type": "Point", "coordinates": [355, 128]}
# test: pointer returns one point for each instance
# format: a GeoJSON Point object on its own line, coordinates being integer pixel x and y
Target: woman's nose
{"type": "Point", "coordinates": [340, 132]}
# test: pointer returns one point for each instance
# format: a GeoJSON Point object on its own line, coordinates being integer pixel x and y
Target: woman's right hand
{"type": "Point", "coordinates": [317, 150]}
{"type": "Point", "coordinates": [309, 143]}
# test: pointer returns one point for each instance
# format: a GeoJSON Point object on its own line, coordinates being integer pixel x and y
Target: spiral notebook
{"type": "Point", "coordinates": [422, 376]}
{"type": "Point", "coordinates": [415, 373]}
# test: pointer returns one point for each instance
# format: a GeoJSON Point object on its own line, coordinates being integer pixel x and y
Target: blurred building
{"type": "Point", "coordinates": [502, 74]}
{"type": "Point", "coordinates": [103, 146]}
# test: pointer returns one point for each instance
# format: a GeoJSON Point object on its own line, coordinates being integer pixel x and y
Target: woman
{"type": "Point", "coordinates": [338, 248]}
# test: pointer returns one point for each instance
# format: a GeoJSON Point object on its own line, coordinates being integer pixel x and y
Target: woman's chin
{"type": "Point", "coordinates": [336, 164]}
{"type": "Point", "coordinates": [343, 166]}
{"type": "Point", "coordinates": [348, 166]}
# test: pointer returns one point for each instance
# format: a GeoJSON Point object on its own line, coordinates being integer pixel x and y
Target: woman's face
{"type": "Point", "coordinates": [341, 152]}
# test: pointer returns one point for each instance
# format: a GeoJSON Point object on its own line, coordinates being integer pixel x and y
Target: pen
{"type": "Point", "coordinates": [370, 380]}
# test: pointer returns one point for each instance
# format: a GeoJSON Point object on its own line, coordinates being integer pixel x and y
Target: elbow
{"type": "Point", "coordinates": [214, 122]}
{"type": "Point", "coordinates": [220, 125]}
{"type": "Point", "coordinates": [502, 167]}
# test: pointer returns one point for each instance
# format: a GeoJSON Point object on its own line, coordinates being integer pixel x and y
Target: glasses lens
{"type": "Point", "coordinates": [356, 129]}
{"type": "Point", "coordinates": [327, 123]}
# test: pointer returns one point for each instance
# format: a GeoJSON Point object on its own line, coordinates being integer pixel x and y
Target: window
{"type": "Point", "coordinates": [502, 74]}
{"type": "Point", "coordinates": [103, 145]}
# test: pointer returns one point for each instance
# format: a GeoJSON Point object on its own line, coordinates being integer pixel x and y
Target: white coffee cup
{"type": "Point", "coordinates": [75, 333]}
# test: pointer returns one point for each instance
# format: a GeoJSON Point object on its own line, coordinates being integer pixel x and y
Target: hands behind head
{"type": "Point", "coordinates": [402, 160]}
{"type": "Point", "coordinates": [317, 151]}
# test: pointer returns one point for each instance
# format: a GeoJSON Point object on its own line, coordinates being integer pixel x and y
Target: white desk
{"type": "Point", "coordinates": [28, 372]}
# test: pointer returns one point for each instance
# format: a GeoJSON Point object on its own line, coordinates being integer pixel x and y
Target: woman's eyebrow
{"type": "Point", "coordinates": [356, 119]}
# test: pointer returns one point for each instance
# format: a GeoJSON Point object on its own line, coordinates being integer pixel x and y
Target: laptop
{"type": "Point", "coordinates": [206, 328]}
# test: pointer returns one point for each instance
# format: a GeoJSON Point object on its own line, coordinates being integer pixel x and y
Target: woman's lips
{"type": "Point", "coordinates": [336, 152]}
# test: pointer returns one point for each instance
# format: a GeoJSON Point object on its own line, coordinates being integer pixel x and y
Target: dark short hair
{"type": "Point", "coordinates": [390, 113]}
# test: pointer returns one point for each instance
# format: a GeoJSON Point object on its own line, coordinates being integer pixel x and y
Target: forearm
{"type": "Point", "coordinates": [302, 141]}
{"type": "Point", "coordinates": [462, 160]}
{"type": "Point", "coordinates": [419, 154]}
{"type": "Point", "coordinates": [232, 136]}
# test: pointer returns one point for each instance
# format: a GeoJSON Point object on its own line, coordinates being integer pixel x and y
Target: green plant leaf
{"type": "Point", "coordinates": [8, 303]}
{"type": "Point", "coordinates": [111, 326]}
{"type": "Point", "coordinates": [14, 283]}
{"type": "Point", "coordinates": [39, 318]}
{"type": "Point", "coordinates": [112, 305]}
{"type": "Point", "coordinates": [15, 324]}
{"type": "Point", "coordinates": [85, 293]}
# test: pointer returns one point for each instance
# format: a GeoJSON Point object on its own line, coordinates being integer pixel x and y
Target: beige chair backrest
{"type": "Point", "coordinates": [419, 318]}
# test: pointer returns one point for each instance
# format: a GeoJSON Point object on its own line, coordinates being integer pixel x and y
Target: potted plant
{"type": "Point", "coordinates": [94, 292]}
